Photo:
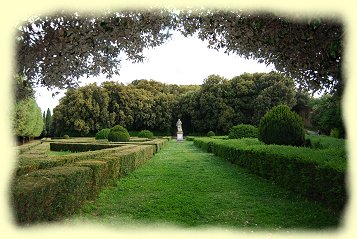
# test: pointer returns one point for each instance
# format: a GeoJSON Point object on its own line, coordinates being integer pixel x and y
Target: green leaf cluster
{"type": "Point", "coordinates": [327, 115]}
{"type": "Point", "coordinates": [56, 50]}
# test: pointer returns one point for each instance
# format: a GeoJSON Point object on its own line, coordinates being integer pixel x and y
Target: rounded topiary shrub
{"type": "Point", "coordinates": [66, 136]}
{"type": "Point", "coordinates": [102, 134]}
{"type": "Point", "coordinates": [146, 134]}
{"type": "Point", "coordinates": [118, 134]}
{"type": "Point", "coordinates": [211, 134]}
{"type": "Point", "coordinates": [281, 126]}
{"type": "Point", "coordinates": [243, 131]}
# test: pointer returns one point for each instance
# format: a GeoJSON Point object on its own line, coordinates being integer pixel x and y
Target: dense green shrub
{"type": "Point", "coordinates": [335, 132]}
{"type": "Point", "coordinates": [102, 134]}
{"type": "Point", "coordinates": [190, 138]}
{"type": "Point", "coordinates": [243, 131]}
{"type": "Point", "coordinates": [210, 134]}
{"type": "Point", "coordinates": [316, 174]}
{"type": "Point", "coordinates": [66, 136]}
{"type": "Point", "coordinates": [282, 126]}
{"type": "Point", "coordinates": [118, 134]}
{"type": "Point", "coordinates": [146, 134]}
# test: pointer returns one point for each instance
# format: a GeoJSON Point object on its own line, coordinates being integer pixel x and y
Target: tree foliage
{"type": "Point", "coordinates": [48, 123]}
{"type": "Point", "coordinates": [27, 118]}
{"type": "Point", "coordinates": [327, 115]}
{"type": "Point", "coordinates": [56, 50]}
{"type": "Point", "coordinates": [216, 105]}
{"type": "Point", "coordinates": [136, 106]}
{"type": "Point", "coordinates": [222, 103]}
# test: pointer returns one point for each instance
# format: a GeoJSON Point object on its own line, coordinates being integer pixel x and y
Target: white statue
{"type": "Point", "coordinates": [179, 125]}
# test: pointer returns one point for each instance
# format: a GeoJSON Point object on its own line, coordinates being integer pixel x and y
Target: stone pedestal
{"type": "Point", "coordinates": [179, 135]}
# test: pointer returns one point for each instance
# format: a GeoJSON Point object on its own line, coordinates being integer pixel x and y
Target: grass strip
{"type": "Point", "coordinates": [187, 187]}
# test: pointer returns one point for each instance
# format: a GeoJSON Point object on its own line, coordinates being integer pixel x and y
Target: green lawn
{"type": "Point", "coordinates": [184, 186]}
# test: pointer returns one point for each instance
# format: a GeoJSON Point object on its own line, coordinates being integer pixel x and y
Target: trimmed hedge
{"type": "Point", "coordinates": [38, 157]}
{"type": "Point", "coordinates": [158, 143]}
{"type": "Point", "coordinates": [31, 162]}
{"type": "Point", "coordinates": [243, 131]}
{"type": "Point", "coordinates": [316, 174]}
{"type": "Point", "coordinates": [80, 147]}
{"type": "Point", "coordinates": [190, 138]}
{"type": "Point", "coordinates": [26, 147]}
{"type": "Point", "coordinates": [50, 194]}
{"type": "Point", "coordinates": [146, 134]}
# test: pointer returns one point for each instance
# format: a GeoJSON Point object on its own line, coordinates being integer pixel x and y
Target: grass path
{"type": "Point", "coordinates": [184, 186]}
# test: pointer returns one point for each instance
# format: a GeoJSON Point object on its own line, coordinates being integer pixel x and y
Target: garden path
{"type": "Point", "coordinates": [184, 186]}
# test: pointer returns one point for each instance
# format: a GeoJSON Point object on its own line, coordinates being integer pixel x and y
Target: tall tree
{"type": "Point", "coordinates": [48, 122]}
{"type": "Point", "coordinates": [327, 114]}
{"type": "Point", "coordinates": [27, 119]}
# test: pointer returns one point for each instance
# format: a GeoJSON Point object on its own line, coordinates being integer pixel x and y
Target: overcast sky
{"type": "Point", "coordinates": [179, 61]}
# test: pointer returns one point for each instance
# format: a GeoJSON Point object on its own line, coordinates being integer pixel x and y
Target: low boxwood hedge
{"type": "Point", "coordinates": [80, 147]}
{"type": "Point", "coordinates": [50, 194]}
{"type": "Point", "coordinates": [316, 174]}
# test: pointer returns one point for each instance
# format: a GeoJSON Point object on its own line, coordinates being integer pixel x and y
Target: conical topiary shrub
{"type": "Point", "coordinates": [282, 126]}
{"type": "Point", "coordinates": [118, 134]}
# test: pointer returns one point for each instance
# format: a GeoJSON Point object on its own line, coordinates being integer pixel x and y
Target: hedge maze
{"type": "Point", "coordinates": [48, 187]}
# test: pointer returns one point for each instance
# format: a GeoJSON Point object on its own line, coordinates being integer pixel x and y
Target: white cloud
{"type": "Point", "coordinates": [179, 61]}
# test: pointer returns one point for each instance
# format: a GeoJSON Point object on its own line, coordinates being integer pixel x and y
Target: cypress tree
{"type": "Point", "coordinates": [48, 121]}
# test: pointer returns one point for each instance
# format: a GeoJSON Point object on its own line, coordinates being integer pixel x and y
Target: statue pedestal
{"type": "Point", "coordinates": [179, 135]}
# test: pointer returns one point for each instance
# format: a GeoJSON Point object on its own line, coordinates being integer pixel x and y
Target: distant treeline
{"type": "Point", "coordinates": [216, 105]}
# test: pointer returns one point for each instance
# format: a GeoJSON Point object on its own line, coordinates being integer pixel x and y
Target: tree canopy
{"type": "Point", "coordinates": [54, 51]}
{"type": "Point", "coordinates": [217, 104]}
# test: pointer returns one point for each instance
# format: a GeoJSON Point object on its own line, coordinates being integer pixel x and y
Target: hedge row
{"type": "Point", "coordinates": [38, 157]}
{"type": "Point", "coordinates": [158, 143]}
{"type": "Point", "coordinates": [26, 147]}
{"type": "Point", "coordinates": [316, 174]}
{"type": "Point", "coordinates": [32, 162]}
{"type": "Point", "coordinates": [50, 194]}
{"type": "Point", "coordinates": [80, 147]}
